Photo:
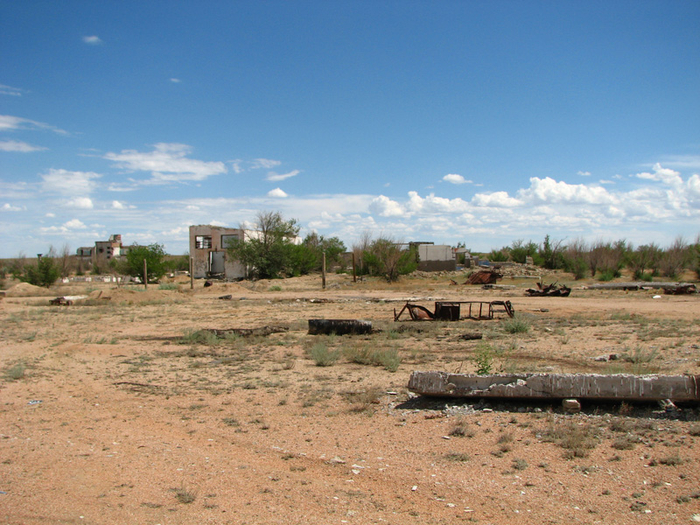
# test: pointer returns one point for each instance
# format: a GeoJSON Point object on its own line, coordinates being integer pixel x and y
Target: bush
{"type": "Point", "coordinates": [322, 356]}
{"type": "Point", "coordinates": [44, 273]}
{"type": "Point", "coordinates": [516, 325]}
{"type": "Point", "coordinates": [153, 254]}
{"type": "Point", "coordinates": [483, 358]}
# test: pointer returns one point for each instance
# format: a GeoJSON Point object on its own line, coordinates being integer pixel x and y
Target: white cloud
{"type": "Point", "coordinates": [11, 91]}
{"type": "Point", "coordinates": [81, 203]}
{"type": "Point", "coordinates": [453, 178]}
{"type": "Point", "coordinates": [93, 40]}
{"type": "Point", "coordinates": [236, 166]}
{"type": "Point", "coordinates": [116, 205]}
{"type": "Point", "coordinates": [69, 182]}
{"type": "Point", "coordinates": [18, 146]}
{"type": "Point", "coordinates": [433, 204]}
{"type": "Point", "coordinates": [497, 199]}
{"type": "Point", "coordinates": [50, 215]}
{"type": "Point", "coordinates": [584, 173]}
{"type": "Point", "coordinates": [74, 224]}
{"type": "Point", "coordinates": [175, 80]}
{"type": "Point", "coordinates": [264, 163]}
{"type": "Point", "coordinates": [10, 123]}
{"type": "Point", "coordinates": [665, 175]}
{"type": "Point", "coordinates": [167, 163]}
{"type": "Point", "coordinates": [274, 177]}
{"type": "Point", "coordinates": [385, 207]}
{"type": "Point", "coordinates": [9, 207]}
{"type": "Point", "coordinates": [550, 191]}
{"type": "Point", "coordinates": [277, 193]}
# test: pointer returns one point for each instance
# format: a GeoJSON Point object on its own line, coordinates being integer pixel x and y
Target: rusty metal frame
{"type": "Point", "coordinates": [452, 311]}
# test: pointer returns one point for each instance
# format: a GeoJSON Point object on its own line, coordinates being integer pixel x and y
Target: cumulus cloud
{"type": "Point", "coordinates": [92, 40]}
{"type": "Point", "coordinates": [9, 207]}
{"type": "Point", "coordinates": [168, 162]}
{"type": "Point", "coordinates": [497, 199]}
{"type": "Point", "coordinates": [277, 193]}
{"type": "Point", "coordinates": [65, 228]}
{"type": "Point", "coordinates": [11, 123]}
{"type": "Point", "coordinates": [116, 205]}
{"type": "Point", "coordinates": [385, 207]}
{"type": "Point", "coordinates": [550, 191]}
{"type": "Point", "coordinates": [75, 224]}
{"type": "Point", "coordinates": [275, 177]}
{"type": "Point", "coordinates": [18, 146]}
{"type": "Point", "coordinates": [453, 178]}
{"type": "Point", "coordinates": [66, 182]}
{"type": "Point", "coordinates": [665, 175]}
{"type": "Point", "coordinates": [81, 203]}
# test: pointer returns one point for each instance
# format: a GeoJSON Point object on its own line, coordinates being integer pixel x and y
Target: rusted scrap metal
{"type": "Point", "coordinates": [452, 310]}
{"type": "Point", "coordinates": [681, 289]}
{"type": "Point", "coordinates": [60, 301]}
{"type": "Point", "coordinates": [549, 290]}
{"type": "Point", "coordinates": [339, 326]}
{"type": "Point", "coordinates": [627, 387]}
{"type": "Point", "coordinates": [484, 277]}
{"type": "Point", "coordinates": [247, 332]}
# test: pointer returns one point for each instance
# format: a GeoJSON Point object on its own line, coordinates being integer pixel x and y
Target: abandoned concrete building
{"type": "Point", "coordinates": [208, 250]}
{"type": "Point", "coordinates": [102, 252]}
{"type": "Point", "coordinates": [436, 258]}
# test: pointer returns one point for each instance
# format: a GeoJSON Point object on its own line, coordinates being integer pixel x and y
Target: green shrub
{"type": "Point", "coordinates": [322, 356]}
{"type": "Point", "coordinates": [483, 358]}
{"type": "Point", "coordinates": [516, 325]}
{"type": "Point", "coordinates": [168, 286]}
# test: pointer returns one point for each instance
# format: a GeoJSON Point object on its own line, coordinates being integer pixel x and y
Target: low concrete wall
{"type": "Point", "coordinates": [558, 386]}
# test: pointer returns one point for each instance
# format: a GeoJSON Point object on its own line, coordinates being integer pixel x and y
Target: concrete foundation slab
{"type": "Point", "coordinates": [557, 386]}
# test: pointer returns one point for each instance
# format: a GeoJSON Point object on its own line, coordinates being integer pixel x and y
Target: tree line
{"type": "Point", "coordinates": [605, 260]}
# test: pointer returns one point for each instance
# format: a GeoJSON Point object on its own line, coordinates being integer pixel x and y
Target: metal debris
{"type": "Point", "coordinates": [452, 310]}
{"type": "Point", "coordinates": [484, 277]}
{"type": "Point", "coordinates": [549, 290]}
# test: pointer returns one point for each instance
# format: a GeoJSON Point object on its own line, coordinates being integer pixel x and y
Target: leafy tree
{"type": "Point", "coordinates": [384, 257]}
{"type": "Point", "coordinates": [44, 273]}
{"type": "Point", "coordinates": [644, 258]}
{"type": "Point", "coordinates": [269, 252]}
{"type": "Point", "coordinates": [675, 258]}
{"type": "Point", "coordinates": [501, 255]}
{"type": "Point", "coordinates": [317, 244]}
{"type": "Point", "coordinates": [153, 254]}
{"type": "Point", "coordinates": [551, 254]}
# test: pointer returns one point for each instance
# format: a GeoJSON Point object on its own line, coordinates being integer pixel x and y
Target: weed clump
{"type": "Point", "coordinates": [322, 355]}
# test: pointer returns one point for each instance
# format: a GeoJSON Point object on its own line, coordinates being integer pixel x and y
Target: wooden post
{"type": "Point", "coordinates": [145, 274]}
{"type": "Point", "coordinates": [323, 271]}
{"type": "Point", "coordinates": [191, 273]}
{"type": "Point", "coordinates": [354, 274]}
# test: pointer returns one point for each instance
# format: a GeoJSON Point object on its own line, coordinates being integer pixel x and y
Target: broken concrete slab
{"type": "Point", "coordinates": [557, 386]}
{"type": "Point", "coordinates": [339, 326]}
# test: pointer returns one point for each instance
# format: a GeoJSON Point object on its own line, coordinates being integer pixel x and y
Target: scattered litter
{"type": "Point", "coordinates": [34, 402]}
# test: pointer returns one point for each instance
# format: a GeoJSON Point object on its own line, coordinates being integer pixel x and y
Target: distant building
{"type": "Point", "coordinates": [102, 252]}
{"type": "Point", "coordinates": [208, 246]}
{"type": "Point", "coordinates": [436, 258]}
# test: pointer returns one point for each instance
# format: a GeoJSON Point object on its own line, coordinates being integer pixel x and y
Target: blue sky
{"type": "Point", "coordinates": [453, 121]}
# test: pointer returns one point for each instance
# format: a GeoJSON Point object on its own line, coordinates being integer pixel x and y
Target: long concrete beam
{"type": "Point", "coordinates": [558, 386]}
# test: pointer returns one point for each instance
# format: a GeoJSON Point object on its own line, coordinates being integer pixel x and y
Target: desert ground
{"type": "Point", "coordinates": [123, 409]}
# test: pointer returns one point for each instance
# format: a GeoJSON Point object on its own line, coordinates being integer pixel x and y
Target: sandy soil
{"type": "Point", "coordinates": [118, 409]}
